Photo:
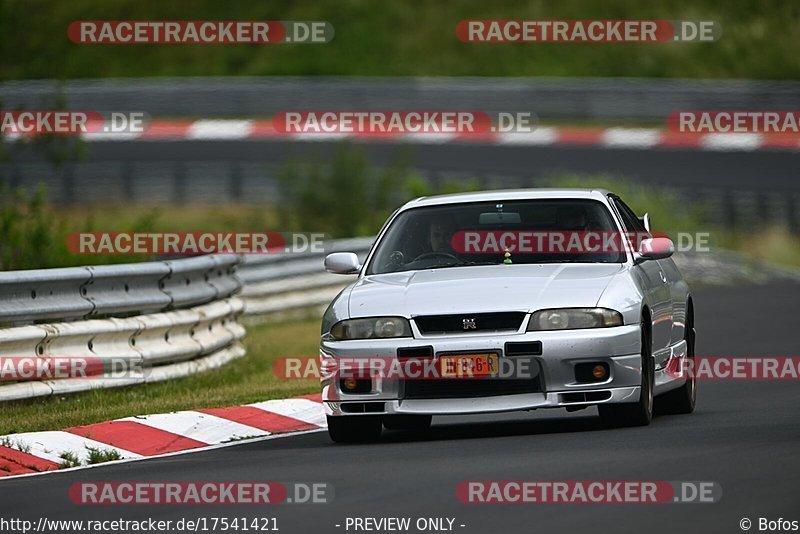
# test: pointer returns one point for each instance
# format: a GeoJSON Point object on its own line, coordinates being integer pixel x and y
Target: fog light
{"type": "Point", "coordinates": [592, 372]}
{"type": "Point", "coordinates": [350, 383]}
{"type": "Point", "coordinates": [355, 386]}
{"type": "Point", "coordinates": [599, 371]}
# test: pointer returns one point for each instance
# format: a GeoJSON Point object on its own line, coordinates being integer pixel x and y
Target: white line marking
{"type": "Point", "coordinates": [631, 137]}
{"type": "Point", "coordinates": [428, 138]}
{"type": "Point", "coordinates": [303, 409]}
{"type": "Point", "coordinates": [731, 141]}
{"type": "Point", "coordinates": [540, 136]}
{"type": "Point", "coordinates": [220, 129]}
{"type": "Point", "coordinates": [313, 136]}
{"type": "Point", "coordinates": [199, 426]}
{"type": "Point", "coordinates": [51, 444]}
{"type": "Point", "coordinates": [109, 136]}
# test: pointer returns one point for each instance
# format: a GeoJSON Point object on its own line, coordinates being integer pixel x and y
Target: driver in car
{"type": "Point", "coordinates": [571, 219]}
{"type": "Point", "coordinates": [440, 235]}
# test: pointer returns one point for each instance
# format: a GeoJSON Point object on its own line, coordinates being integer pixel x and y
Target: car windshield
{"type": "Point", "coordinates": [499, 232]}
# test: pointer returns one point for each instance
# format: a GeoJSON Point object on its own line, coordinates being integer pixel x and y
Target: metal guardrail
{"type": "Point", "coordinates": [131, 351]}
{"type": "Point", "coordinates": [549, 97]}
{"type": "Point", "coordinates": [285, 283]}
{"type": "Point", "coordinates": [85, 292]}
{"type": "Point", "coordinates": [153, 321]}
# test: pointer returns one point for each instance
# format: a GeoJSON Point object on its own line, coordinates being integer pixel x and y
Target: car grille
{"type": "Point", "coordinates": [474, 387]}
{"type": "Point", "coordinates": [483, 322]}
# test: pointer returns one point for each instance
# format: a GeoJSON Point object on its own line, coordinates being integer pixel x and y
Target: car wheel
{"type": "Point", "coordinates": [354, 429]}
{"type": "Point", "coordinates": [683, 399]}
{"type": "Point", "coordinates": [407, 422]}
{"type": "Point", "coordinates": [638, 413]}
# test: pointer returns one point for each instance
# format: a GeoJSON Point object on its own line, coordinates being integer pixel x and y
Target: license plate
{"type": "Point", "coordinates": [469, 365]}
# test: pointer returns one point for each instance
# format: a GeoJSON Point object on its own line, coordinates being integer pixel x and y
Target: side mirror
{"type": "Point", "coordinates": [646, 221]}
{"type": "Point", "coordinates": [656, 248]}
{"type": "Point", "coordinates": [342, 263]}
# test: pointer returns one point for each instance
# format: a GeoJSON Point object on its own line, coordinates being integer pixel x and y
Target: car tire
{"type": "Point", "coordinates": [682, 400]}
{"type": "Point", "coordinates": [638, 413]}
{"type": "Point", "coordinates": [407, 422]}
{"type": "Point", "coordinates": [354, 429]}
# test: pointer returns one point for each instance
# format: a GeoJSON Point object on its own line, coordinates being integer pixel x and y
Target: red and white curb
{"type": "Point", "coordinates": [626, 138]}
{"type": "Point", "coordinates": [630, 138]}
{"type": "Point", "coordinates": [149, 436]}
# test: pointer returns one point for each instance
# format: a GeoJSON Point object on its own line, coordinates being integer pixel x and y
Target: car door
{"type": "Point", "coordinates": [679, 292]}
{"type": "Point", "coordinates": [658, 293]}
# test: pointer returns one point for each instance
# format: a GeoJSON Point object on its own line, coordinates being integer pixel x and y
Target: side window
{"type": "Point", "coordinates": [629, 218]}
{"type": "Point", "coordinates": [632, 224]}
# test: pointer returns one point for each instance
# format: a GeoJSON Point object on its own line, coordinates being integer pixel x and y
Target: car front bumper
{"type": "Point", "coordinates": [553, 369]}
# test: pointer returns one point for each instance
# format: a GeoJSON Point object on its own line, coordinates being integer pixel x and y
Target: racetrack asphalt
{"type": "Point", "coordinates": [744, 435]}
{"type": "Point", "coordinates": [666, 166]}
{"type": "Point", "coordinates": [756, 170]}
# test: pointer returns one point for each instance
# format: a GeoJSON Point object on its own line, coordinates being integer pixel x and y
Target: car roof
{"type": "Point", "coordinates": [508, 194]}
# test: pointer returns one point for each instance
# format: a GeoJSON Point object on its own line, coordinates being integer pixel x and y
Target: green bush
{"type": "Point", "coordinates": [33, 233]}
{"type": "Point", "coordinates": [30, 234]}
{"type": "Point", "coordinates": [350, 197]}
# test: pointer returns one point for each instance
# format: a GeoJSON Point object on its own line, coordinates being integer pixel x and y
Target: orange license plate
{"type": "Point", "coordinates": [468, 365]}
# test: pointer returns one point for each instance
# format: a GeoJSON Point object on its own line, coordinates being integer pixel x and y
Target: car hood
{"type": "Point", "coordinates": [481, 289]}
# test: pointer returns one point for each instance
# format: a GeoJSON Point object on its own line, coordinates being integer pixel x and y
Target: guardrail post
{"type": "Point", "coordinates": [236, 182]}
{"type": "Point", "coordinates": [68, 184]}
{"type": "Point", "coordinates": [16, 176]}
{"type": "Point", "coordinates": [127, 182]}
{"type": "Point", "coordinates": [791, 213]}
{"type": "Point", "coordinates": [729, 210]}
{"type": "Point", "coordinates": [179, 184]}
{"type": "Point", "coordinates": [762, 206]}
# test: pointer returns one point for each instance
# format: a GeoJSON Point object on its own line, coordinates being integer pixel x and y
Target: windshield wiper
{"type": "Point", "coordinates": [464, 264]}
{"type": "Point", "coordinates": [570, 261]}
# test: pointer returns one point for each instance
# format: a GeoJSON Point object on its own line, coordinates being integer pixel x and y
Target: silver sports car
{"type": "Point", "coordinates": [507, 300]}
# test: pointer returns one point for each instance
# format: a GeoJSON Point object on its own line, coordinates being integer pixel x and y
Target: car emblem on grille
{"type": "Point", "coordinates": [469, 324]}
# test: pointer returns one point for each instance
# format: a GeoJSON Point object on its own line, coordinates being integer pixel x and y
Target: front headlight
{"type": "Point", "coordinates": [372, 327]}
{"type": "Point", "coordinates": [574, 318]}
